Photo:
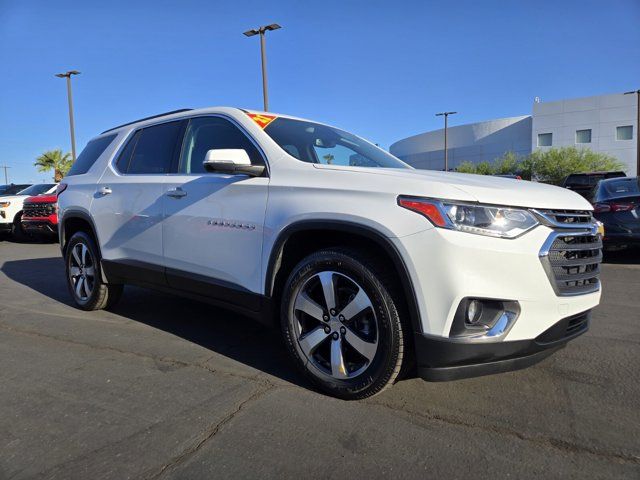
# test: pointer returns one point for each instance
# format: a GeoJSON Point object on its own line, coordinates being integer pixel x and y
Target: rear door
{"type": "Point", "coordinates": [127, 206]}
{"type": "Point", "coordinates": [213, 228]}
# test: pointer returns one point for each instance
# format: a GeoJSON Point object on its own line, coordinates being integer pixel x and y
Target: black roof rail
{"type": "Point", "coordinates": [149, 118]}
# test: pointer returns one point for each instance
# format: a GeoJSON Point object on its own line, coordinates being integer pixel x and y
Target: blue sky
{"type": "Point", "coordinates": [380, 69]}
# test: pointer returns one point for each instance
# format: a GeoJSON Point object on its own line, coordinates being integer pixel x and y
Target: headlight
{"type": "Point", "coordinates": [4, 204]}
{"type": "Point", "coordinates": [503, 222]}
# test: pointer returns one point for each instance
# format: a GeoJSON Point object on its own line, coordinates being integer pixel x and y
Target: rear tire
{"type": "Point", "coordinates": [84, 275]}
{"type": "Point", "coordinates": [341, 324]}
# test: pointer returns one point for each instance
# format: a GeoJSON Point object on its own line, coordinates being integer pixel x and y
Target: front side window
{"type": "Point", "coordinates": [90, 154]}
{"type": "Point", "coordinates": [150, 150]}
{"type": "Point", "coordinates": [545, 139]}
{"type": "Point", "coordinates": [624, 133]}
{"type": "Point", "coordinates": [316, 143]}
{"type": "Point", "coordinates": [583, 136]}
{"type": "Point", "coordinates": [209, 133]}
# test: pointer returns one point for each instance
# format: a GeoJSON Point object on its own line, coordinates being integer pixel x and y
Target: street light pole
{"type": "Point", "coordinates": [446, 124]}
{"type": "Point", "coordinates": [6, 178]}
{"type": "Point", "coordinates": [637, 92]}
{"type": "Point", "coordinates": [68, 75]}
{"type": "Point", "coordinates": [263, 57]}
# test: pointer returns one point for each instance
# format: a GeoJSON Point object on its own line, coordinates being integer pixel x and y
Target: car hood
{"type": "Point", "coordinates": [481, 188]}
{"type": "Point", "coordinates": [13, 198]}
{"type": "Point", "coordinates": [43, 198]}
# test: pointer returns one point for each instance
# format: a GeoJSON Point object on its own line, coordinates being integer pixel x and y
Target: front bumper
{"type": "Point", "coordinates": [441, 359]}
{"type": "Point", "coordinates": [41, 225]}
{"type": "Point", "coordinates": [6, 227]}
{"type": "Point", "coordinates": [448, 266]}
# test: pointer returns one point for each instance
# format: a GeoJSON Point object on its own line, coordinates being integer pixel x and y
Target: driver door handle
{"type": "Point", "coordinates": [104, 191]}
{"type": "Point", "coordinates": [176, 193]}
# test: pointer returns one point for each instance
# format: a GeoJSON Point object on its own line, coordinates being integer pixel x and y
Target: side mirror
{"type": "Point", "coordinates": [231, 160]}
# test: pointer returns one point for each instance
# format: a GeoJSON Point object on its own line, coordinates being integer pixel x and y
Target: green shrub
{"type": "Point", "coordinates": [550, 166]}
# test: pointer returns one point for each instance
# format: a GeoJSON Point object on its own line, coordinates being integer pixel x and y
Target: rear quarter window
{"type": "Point", "coordinates": [90, 154]}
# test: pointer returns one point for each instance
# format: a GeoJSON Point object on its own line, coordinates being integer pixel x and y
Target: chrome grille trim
{"type": "Point", "coordinates": [571, 259]}
{"type": "Point", "coordinates": [565, 218]}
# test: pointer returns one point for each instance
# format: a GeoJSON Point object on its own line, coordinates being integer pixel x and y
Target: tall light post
{"type": "Point", "coordinates": [6, 177]}
{"type": "Point", "coordinates": [446, 153]}
{"type": "Point", "coordinates": [637, 92]}
{"type": "Point", "coordinates": [68, 75]}
{"type": "Point", "coordinates": [263, 56]}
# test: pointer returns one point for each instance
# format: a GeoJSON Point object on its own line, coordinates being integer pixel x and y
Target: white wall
{"type": "Point", "coordinates": [601, 114]}
{"type": "Point", "coordinates": [476, 142]}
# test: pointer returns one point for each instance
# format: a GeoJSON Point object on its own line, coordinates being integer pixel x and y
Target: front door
{"type": "Point", "coordinates": [213, 227]}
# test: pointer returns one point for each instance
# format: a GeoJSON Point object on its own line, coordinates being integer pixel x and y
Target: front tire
{"type": "Point", "coordinates": [84, 276]}
{"type": "Point", "coordinates": [341, 324]}
{"type": "Point", "coordinates": [17, 232]}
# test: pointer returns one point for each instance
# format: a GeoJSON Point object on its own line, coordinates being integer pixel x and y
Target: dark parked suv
{"type": "Point", "coordinates": [583, 183]}
{"type": "Point", "coordinates": [616, 203]}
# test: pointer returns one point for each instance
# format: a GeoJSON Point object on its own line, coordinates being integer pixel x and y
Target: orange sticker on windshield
{"type": "Point", "coordinates": [261, 119]}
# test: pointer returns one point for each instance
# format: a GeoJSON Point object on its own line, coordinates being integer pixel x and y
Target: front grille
{"type": "Point", "coordinates": [572, 254]}
{"type": "Point", "coordinates": [38, 209]}
{"type": "Point", "coordinates": [567, 218]}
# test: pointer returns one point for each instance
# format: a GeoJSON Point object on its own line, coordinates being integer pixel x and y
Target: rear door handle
{"type": "Point", "coordinates": [104, 191]}
{"type": "Point", "coordinates": [176, 193]}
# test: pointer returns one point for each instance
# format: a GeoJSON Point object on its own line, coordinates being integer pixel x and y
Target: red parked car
{"type": "Point", "coordinates": [40, 215]}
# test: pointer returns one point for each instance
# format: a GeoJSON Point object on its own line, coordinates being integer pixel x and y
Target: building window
{"type": "Point", "coordinates": [545, 139]}
{"type": "Point", "coordinates": [624, 133]}
{"type": "Point", "coordinates": [583, 136]}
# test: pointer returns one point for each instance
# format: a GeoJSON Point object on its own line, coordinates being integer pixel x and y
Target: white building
{"type": "Point", "coordinates": [605, 123]}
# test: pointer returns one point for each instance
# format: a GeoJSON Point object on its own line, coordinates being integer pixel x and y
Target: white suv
{"type": "Point", "coordinates": [368, 266]}
{"type": "Point", "coordinates": [11, 207]}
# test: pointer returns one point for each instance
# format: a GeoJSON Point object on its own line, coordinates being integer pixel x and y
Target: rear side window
{"type": "Point", "coordinates": [125, 156]}
{"type": "Point", "coordinates": [151, 150]}
{"type": "Point", "coordinates": [90, 154]}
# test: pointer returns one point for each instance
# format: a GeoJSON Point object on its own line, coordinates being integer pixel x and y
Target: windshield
{"type": "Point", "coordinates": [315, 143]}
{"type": "Point", "coordinates": [11, 189]}
{"type": "Point", "coordinates": [37, 189]}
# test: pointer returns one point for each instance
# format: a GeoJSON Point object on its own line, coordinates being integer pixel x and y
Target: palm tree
{"type": "Point", "coordinates": [329, 158]}
{"type": "Point", "coordinates": [54, 160]}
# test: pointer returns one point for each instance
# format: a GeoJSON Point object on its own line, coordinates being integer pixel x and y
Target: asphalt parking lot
{"type": "Point", "coordinates": [168, 388]}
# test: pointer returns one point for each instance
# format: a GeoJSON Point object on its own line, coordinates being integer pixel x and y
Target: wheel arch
{"type": "Point", "coordinates": [74, 221]}
{"type": "Point", "coordinates": [326, 233]}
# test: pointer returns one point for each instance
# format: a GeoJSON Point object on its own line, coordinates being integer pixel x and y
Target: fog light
{"type": "Point", "coordinates": [483, 319]}
{"type": "Point", "coordinates": [474, 312]}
